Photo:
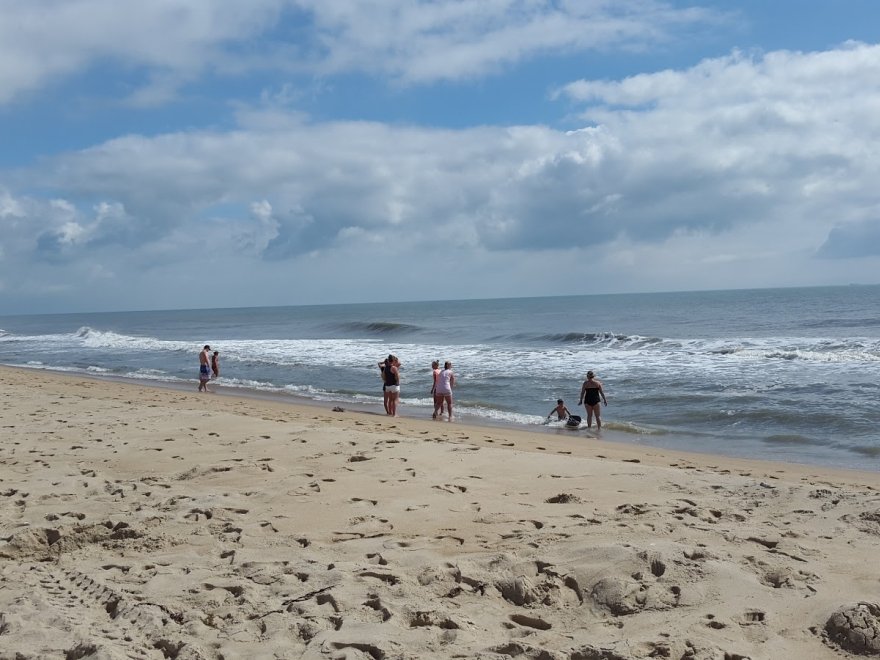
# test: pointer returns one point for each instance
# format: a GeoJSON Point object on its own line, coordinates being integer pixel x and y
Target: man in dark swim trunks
{"type": "Point", "coordinates": [204, 369]}
{"type": "Point", "coordinates": [591, 393]}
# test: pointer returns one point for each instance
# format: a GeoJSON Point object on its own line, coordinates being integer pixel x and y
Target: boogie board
{"type": "Point", "coordinates": [573, 422]}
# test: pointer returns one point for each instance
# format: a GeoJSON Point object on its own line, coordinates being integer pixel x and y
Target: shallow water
{"type": "Point", "coordinates": [789, 374]}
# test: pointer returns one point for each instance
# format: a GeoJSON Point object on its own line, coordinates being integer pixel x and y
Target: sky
{"type": "Point", "coordinates": [219, 153]}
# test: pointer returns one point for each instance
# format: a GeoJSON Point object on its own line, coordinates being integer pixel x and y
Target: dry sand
{"type": "Point", "coordinates": [139, 522]}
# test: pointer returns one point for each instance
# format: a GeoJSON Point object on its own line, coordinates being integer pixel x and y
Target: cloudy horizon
{"type": "Point", "coordinates": [191, 154]}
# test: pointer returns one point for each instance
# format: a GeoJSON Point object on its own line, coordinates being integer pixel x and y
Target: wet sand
{"type": "Point", "coordinates": [139, 522]}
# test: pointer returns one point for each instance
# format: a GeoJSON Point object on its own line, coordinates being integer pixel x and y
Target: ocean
{"type": "Point", "coordinates": [781, 374]}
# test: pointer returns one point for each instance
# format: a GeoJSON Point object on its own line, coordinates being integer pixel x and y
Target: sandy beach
{"type": "Point", "coordinates": [140, 522]}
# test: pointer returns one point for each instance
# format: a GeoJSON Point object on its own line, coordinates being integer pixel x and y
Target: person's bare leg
{"type": "Point", "coordinates": [598, 419]}
{"type": "Point", "coordinates": [589, 417]}
{"type": "Point", "coordinates": [449, 406]}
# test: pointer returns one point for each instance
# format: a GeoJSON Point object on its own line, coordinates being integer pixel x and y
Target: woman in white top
{"type": "Point", "coordinates": [443, 388]}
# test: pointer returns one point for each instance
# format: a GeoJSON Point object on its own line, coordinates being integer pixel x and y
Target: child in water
{"type": "Point", "coordinates": [561, 411]}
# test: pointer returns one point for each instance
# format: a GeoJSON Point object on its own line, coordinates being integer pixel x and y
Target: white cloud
{"type": "Point", "coordinates": [782, 135]}
{"type": "Point", "coordinates": [10, 207]}
{"type": "Point", "coordinates": [742, 171]}
{"type": "Point", "coordinates": [452, 39]}
{"type": "Point", "coordinates": [169, 43]}
{"type": "Point", "coordinates": [44, 40]}
{"type": "Point", "coordinates": [265, 230]}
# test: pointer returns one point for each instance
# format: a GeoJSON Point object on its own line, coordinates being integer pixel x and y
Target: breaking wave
{"type": "Point", "coordinates": [379, 327]}
{"type": "Point", "coordinates": [609, 339]}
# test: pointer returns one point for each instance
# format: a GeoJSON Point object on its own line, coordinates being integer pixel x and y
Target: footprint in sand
{"type": "Point", "coordinates": [375, 603]}
{"type": "Point", "coordinates": [530, 622]}
{"type": "Point", "coordinates": [448, 537]}
{"type": "Point", "coordinates": [752, 617]}
{"type": "Point", "coordinates": [387, 578]}
{"type": "Point", "coordinates": [451, 488]}
{"type": "Point", "coordinates": [713, 623]}
{"type": "Point", "coordinates": [198, 514]}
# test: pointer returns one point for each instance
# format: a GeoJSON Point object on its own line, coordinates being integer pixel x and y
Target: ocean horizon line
{"type": "Point", "coordinates": [451, 300]}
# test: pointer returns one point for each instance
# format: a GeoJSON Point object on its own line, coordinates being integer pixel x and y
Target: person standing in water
{"type": "Point", "coordinates": [392, 384]}
{"type": "Point", "coordinates": [445, 384]}
{"type": "Point", "coordinates": [591, 393]}
{"type": "Point", "coordinates": [204, 368]}
{"type": "Point", "coordinates": [384, 372]}
{"type": "Point", "coordinates": [215, 365]}
{"type": "Point", "coordinates": [438, 402]}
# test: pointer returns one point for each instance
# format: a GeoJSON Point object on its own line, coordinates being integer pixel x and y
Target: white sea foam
{"type": "Point", "coordinates": [489, 358]}
{"type": "Point", "coordinates": [92, 338]}
{"type": "Point", "coordinates": [45, 367]}
{"type": "Point", "coordinates": [153, 374]}
{"type": "Point", "coordinates": [250, 384]}
{"type": "Point", "coordinates": [498, 415]}
{"type": "Point", "coordinates": [623, 356]}
{"type": "Point", "coordinates": [48, 340]}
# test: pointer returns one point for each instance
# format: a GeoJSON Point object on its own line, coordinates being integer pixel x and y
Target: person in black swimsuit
{"type": "Point", "coordinates": [591, 394]}
{"type": "Point", "coordinates": [390, 371]}
{"type": "Point", "coordinates": [385, 374]}
{"type": "Point", "coordinates": [392, 384]}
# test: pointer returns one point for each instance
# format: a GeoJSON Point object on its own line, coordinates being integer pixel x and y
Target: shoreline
{"type": "Point", "coordinates": [138, 521]}
{"type": "Point", "coordinates": [612, 437]}
{"type": "Point", "coordinates": [566, 440]}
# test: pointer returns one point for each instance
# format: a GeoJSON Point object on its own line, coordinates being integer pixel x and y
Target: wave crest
{"type": "Point", "coordinates": [635, 429]}
{"type": "Point", "coordinates": [380, 327]}
{"type": "Point", "coordinates": [593, 338]}
{"type": "Point", "coordinates": [844, 323]}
